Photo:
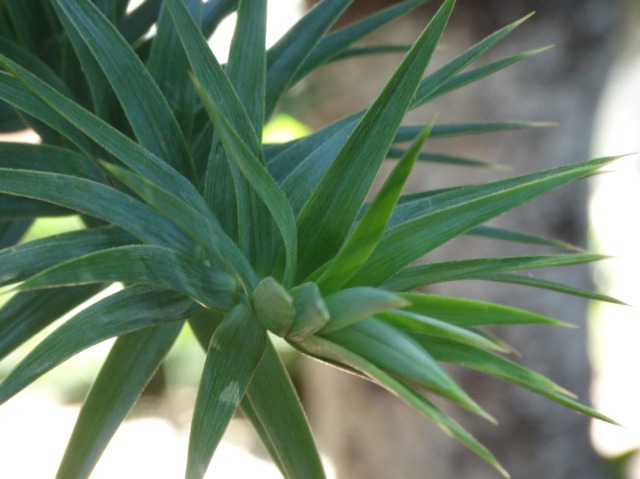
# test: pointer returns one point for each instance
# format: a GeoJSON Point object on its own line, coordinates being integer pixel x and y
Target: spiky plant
{"type": "Point", "coordinates": [158, 148]}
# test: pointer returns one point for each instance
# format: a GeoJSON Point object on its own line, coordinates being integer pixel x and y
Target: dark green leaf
{"type": "Point", "coordinates": [235, 351]}
{"type": "Point", "coordinates": [143, 264]}
{"type": "Point", "coordinates": [20, 262]}
{"type": "Point", "coordinates": [327, 217]}
{"type": "Point", "coordinates": [147, 110]}
{"type": "Point", "coordinates": [28, 312]}
{"type": "Point", "coordinates": [130, 365]}
{"type": "Point", "coordinates": [117, 315]}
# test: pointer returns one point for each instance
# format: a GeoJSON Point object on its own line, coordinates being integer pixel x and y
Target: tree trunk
{"type": "Point", "coordinates": [370, 434]}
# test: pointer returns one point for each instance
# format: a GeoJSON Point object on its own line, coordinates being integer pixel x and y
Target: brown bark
{"type": "Point", "coordinates": [370, 434]}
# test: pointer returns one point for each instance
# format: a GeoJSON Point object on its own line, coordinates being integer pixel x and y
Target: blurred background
{"type": "Point", "coordinates": [587, 84]}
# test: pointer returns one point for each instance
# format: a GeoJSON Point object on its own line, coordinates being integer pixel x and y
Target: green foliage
{"type": "Point", "coordinates": [157, 146]}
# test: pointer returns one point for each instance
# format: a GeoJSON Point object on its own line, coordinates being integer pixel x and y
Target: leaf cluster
{"type": "Point", "coordinates": [158, 147]}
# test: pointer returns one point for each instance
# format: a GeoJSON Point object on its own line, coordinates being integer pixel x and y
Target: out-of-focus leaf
{"type": "Point", "coordinates": [407, 242]}
{"type": "Point", "coordinates": [469, 313]}
{"type": "Point", "coordinates": [28, 312]}
{"type": "Point", "coordinates": [124, 312]}
{"type": "Point", "coordinates": [550, 285]}
{"type": "Point", "coordinates": [430, 273]}
{"type": "Point", "coordinates": [272, 405]}
{"type": "Point", "coordinates": [491, 364]}
{"type": "Point", "coordinates": [131, 363]}
{"type": "Point", "coordinates": [322, 348]}
{"type": "Point", "coordinates": [397, 353]}
{"type": "Point", "coordinates": [286, 57]}
{"type": "Point", "coordinates": [336, 44]}
{"type": "Point", "coordinates": [234, 353]}
{"type": "Point", "coordinates": [12, 231]}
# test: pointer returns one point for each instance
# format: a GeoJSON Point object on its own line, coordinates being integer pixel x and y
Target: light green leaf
{"type": "Point", "coordinates": [397, 353]}
{"type": "Point", "coordinates": [235, 351]}
{"type": "Point", "coordinates": [325, 349]}
{"type": "Point", "coordinates": [365, 236]}
{"type": "Point", "coordinates": [469, 313]}
{"type": "Point", "coordinates": [430, 326]}
{"type": "Point", "coordinates": [311, 312]}
{"type": "Point", "coordinates": [124, 312]}
{"type": "Point", "coordinates": [493, 365]}
{"type": "Point", "coordinates": [412, 277]}
{"type": "Point", "coordinates": [351, 305]}
{"type": "Point", "coordinates": [408, 241]}
{"type": "Point", "coordinates": [273, 306]}
{"type": "Point", "coordinates": [550, 285]}
{"type": "Point", "coordinates": [130, 365]}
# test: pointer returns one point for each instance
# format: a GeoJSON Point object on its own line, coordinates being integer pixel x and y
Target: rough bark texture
{"type": "Point", "coordinates": [368, 433]}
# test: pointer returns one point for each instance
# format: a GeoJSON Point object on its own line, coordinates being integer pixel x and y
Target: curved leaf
{"type": "Point", "coordinates": [143, 264]}
{"type": "Point", "coordinates": [124, 312]}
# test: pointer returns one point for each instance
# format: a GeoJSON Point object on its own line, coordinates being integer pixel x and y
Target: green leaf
{"type": "Point", "coordinates": [311, 311]}
{"type": "Point", "coordinates": [412, 277]}
{"type": "Point", "coordinates": [262, 183]}
{"type": "Point", "coordinates": [365, 236]}
{"type": "Point", "coordinates": [325, 220]}
{"type": "Point", "coordinates": [28, 312]}
{"type": "Point", "coordinates": [11, 232]}
{"type": "Point", "coordinates": [447, 159]}
{"type": "Point", "coordinates": [22, 261]}
{"type": "Point", "coordinates": [203, 228]}
{"type": "Point", "coordinates": [337, 43]}
{"type": "Point", "coordinates": [143, 264]}
{"type": "Point", "coordinates": [97, 200]}
{"type": "Point", "coordinates": [235, 351]}
{"type": "Point", "coordinates": [408, 241]}
{"type": "Point", "coordinates": [408, 133]}
{"type": "Point", "coordinates": [286, 57]}
{"type": "Point", "coordinates": [520, 237]}
{"type": "Point", "coordinates": [131, 363]}
{"type": "Point", "coordinates": [419, 324]}
{"type": "Point", "coordinates": [493, 365]}
{"type": "Point", "coordinates": [124, 312]}
{"type": "Point", "coordinates": [272, 405]}
{"type": "Point", "coordinates": [27, 156]}
{"type": "Point", "coordinates": [61, 111]}
{"type": "Point", "coordinates": [325, 349]}
{"type": "Point", "coordinates": [147, 110]}
{"type": "Point", "coordinates": [174, 82]}
{"type": "Point", "coordinates": [439, 77]}
{"type": "Point", "coordinates": [469, 313]}
{"type": "Point", "coordinates": [137, 23]}
{"type": "Point", "coordinates": [397, 353]}
{"type": "Point", "coordinates": [550, 285]}
{"type": "Point", "coordinates": [351, 305]}
{"type": "Point", "coordinates": [273, 306]}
